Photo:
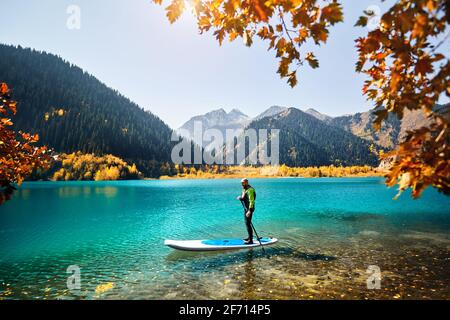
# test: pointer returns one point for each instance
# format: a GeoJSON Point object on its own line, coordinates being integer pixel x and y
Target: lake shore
{"type": "Point", "coordinates": [283, 171]}
{"type": "Point", "coordinates": [237, 176]}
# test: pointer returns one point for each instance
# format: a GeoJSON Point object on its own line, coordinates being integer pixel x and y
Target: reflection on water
{"type": "Point", "coordinates": [23, 194]}
{"type": "Point", "coordinates": [114, 232]}
{"type": "Point", "coordinates": [108, 192]}
{"type": "Point", "coordinates": [73, 192]}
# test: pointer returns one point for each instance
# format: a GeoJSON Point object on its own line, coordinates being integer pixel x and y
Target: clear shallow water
{"type": "Point", "coordinates": [330, 231]}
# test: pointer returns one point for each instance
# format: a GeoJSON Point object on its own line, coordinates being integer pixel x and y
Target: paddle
{"type": "Point", "coordinates": [257, 237]}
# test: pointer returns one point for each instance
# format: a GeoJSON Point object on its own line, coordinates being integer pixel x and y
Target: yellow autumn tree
{"type": "Point", "coordinates": [80, 166]}
{"type": "Point", "coordinates": [108, 173]}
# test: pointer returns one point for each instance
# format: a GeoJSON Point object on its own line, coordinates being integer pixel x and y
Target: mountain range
{"type": "Point", "coordinates": [73, 111]}
{"type": "Point", "coordinates": [305, 140]}
{"type": "Point", "coordinates": [391, 132]}
{"type": "Point", "coordinates": [216, 119]}
{"type": "Point", "coordinates": [359, 124]}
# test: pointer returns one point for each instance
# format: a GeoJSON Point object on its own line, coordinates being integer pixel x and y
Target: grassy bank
{"type": "Point", "coordinates": [213, 172]}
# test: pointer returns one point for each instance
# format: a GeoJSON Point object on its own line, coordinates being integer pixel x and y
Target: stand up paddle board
{"type": "Point", "coordinates": [214, 245]}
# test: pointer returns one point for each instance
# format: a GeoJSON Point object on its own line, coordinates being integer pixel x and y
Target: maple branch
{"type": "Point", "coordinates": [285, 27]}
{"type": "Point", "coordinates": [440, 43]}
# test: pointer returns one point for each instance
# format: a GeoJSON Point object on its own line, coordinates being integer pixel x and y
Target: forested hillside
{"type": "Point", "coordinates": [308, 141]}
{"type": "Point", "coordinates": [73, 111]}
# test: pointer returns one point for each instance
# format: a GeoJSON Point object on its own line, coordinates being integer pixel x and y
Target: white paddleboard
{"type": "Point", "coordinates": [219, 244]}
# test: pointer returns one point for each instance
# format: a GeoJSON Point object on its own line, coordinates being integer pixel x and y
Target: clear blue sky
{"type": "Point", "coordinates": [177, 73]}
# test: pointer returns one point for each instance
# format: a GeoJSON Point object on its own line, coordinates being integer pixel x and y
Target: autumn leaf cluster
{"type": "Point", "coordinates": [19, 155]}
{"type": "Point", "coordinates": [284, 24]}
{"type": "Point", "coordinates": [407, 71]}
{"type": "Point", "coordinates": [80, 166]}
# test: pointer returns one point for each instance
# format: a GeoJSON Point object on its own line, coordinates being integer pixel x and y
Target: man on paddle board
{"type": "Point", "coordinates": [248, 197]}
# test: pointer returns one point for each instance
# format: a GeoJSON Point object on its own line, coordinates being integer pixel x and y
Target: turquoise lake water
{"type": "Point", "coordinates": [329, 230]}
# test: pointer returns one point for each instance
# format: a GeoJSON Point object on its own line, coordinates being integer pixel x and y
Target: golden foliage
{"type": "Point", "coordinates": [54, 113]}
{"type": "Point", "coordinates": [214, 172]}
{"type": "Point", "coordinates": [79, 166]}
{"type": "Point", "coordinates": [284, 24]}
{"type": "Point", "coordinates": [108, 173]}
{"type": "Point", "coordinates": [19, 155]}
{"type": "Point", "coordinates": [422, 160]}
{"type": "Point", "coordinates": [102, 288]}
{"type": "Point", "coordinates": [406, 72]}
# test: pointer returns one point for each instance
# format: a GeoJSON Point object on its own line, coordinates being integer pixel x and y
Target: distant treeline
{"type": "Point", "coordinates": [216, 171]}
{"type": "Point", "coordinates": [79, 166]}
